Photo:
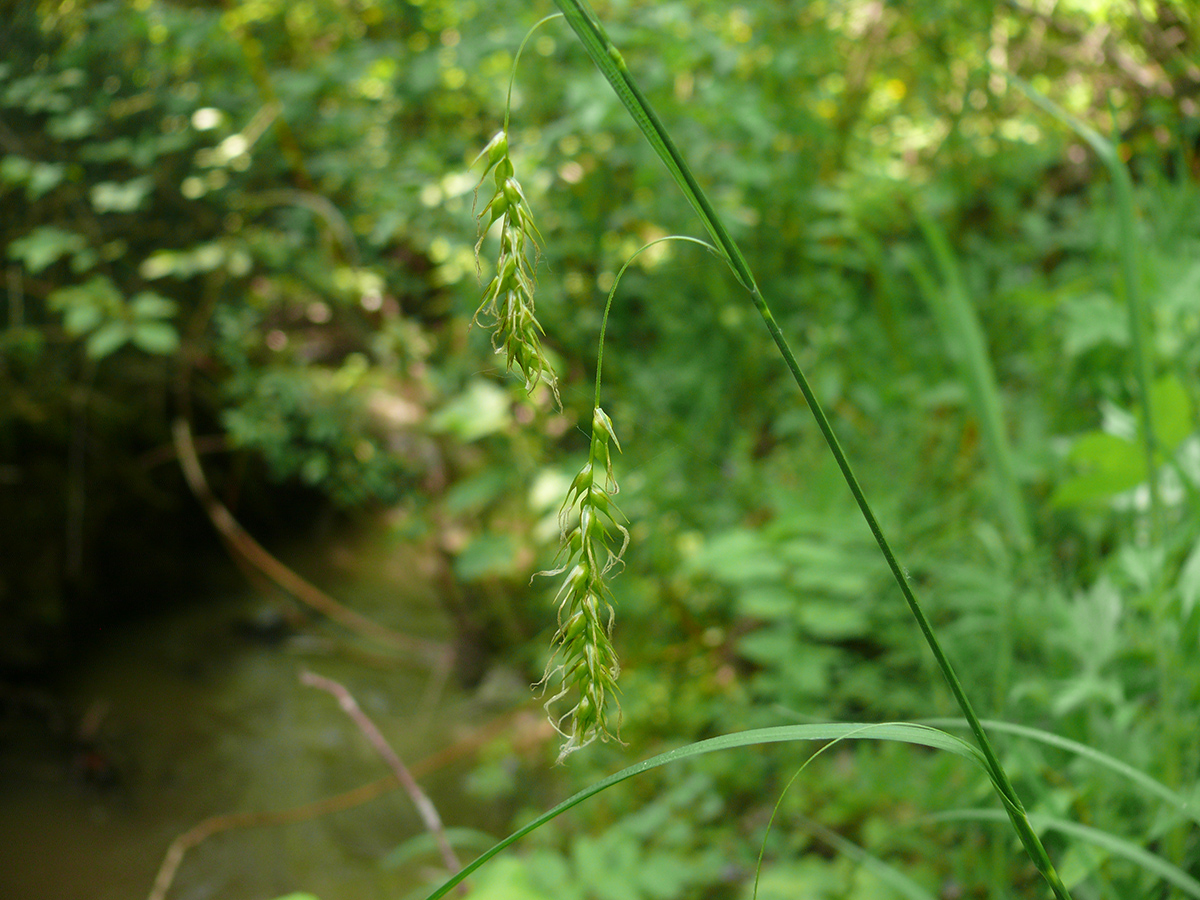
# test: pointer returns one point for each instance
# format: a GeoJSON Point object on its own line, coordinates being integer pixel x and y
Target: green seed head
{"type": "Point", "coordinates": [515, 328]}
{"type": "Point", "coordinates": [584, 660]}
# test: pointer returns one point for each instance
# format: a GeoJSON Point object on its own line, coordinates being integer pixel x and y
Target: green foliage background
{"type": "Point", "coordinates": [259, 214]}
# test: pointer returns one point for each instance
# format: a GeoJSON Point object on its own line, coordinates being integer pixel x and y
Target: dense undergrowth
{"type": "Point", "coordinates": [280, 196]}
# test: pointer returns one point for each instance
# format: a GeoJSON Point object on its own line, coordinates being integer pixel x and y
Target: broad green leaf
{"type": "Point", "coordinates": [107, 338]}
{"type": "Point", "coordinates": [108, 151]}
{"type": "Point", "coordinates": [482, 409]}
{"type": "Point", "coordinates": [769, 601]}
{"type": "Point", "coordinates": [489, 555]}
{"type": "Point", "coordinates": [737, 557]}
{"type": "Point", "coordinates": [44, 246]}
{"type": "Point", "coordinates": [155, 337]}
{"type": "Point", "coordinates": [15, 170]}
{"type": "Point", "coordinates": [1172, 413]}
{"type": "Point", "coordinates": [121, 197]}
{"type": "Point", "coordinates": [86, 306]}
{"type": "Point", "coordinates": [1182, 294]}
{"type": "Point", "coordinates": [204, 257]}
{"type": "Point", "coordinates": [508, 879]}
{"type": "Point", "coordinates": [80, 318]}
{"type": "Point", "coordinates": [149, 305]}
{"type": "Point", "coordinates": [78, 123]}
{"type": "Point", "coordinates": [830, 620]}
{"type": "Point", "coordinates": [43, 178]}
{"type": "Point", "coordinates": [1091, 321]}
{"type": "Point", "coordinates": [1107, 465]}
{"type": "Point", "coordinates": [472, 495]}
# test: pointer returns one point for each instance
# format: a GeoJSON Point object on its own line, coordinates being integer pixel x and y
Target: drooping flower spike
{"type": "Point", "coordinates": [584, 661]}
{"type": "Point", "coordinates": [507, 303]}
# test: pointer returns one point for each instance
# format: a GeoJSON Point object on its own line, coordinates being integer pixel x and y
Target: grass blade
{"type": "Point", "coordinates": [956, 319]}
{"type": "Point", "coordinates": [1150, 785]}
{"type": "Point", "coordinates": [1110, 842]}
{"type": "Point", "coordinates": [920, 735]}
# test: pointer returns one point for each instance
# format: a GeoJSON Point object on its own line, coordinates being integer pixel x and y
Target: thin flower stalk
{"type": "Point", "coordinates": [584, 662]}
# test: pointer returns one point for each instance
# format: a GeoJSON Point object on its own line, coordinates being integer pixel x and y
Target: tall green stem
{"type": "Point", "coordinates": [612, 65]}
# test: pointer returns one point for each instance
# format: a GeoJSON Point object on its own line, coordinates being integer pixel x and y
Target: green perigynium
{"type": "Point", "coordinates": [584, 661]}
{"type": "Point", "coordinates": [508, 299]}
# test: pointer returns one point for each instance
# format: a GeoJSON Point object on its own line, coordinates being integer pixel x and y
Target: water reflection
{"type": "Point", "coordinates": [199, 713]}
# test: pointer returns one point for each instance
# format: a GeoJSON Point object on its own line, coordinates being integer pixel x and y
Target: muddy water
{"type": "Point", "coordinates": [199, 713]}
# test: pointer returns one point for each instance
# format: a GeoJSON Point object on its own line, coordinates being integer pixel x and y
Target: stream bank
{"type": "Point", "coordinates": [198, 712]}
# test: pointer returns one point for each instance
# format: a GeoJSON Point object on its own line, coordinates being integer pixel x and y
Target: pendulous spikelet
{"type": "Point", "coordinates": [508, 299]}
{"type": "Point", "coordinates": [584, 661]}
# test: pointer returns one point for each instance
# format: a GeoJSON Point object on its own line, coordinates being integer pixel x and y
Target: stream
{"type": "Point", "coordinates": [199, 712]}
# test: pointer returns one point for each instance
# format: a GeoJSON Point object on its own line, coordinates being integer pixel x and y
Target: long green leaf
{"type": "Point", "coordinates": [920, 735]}
{"type": "Point", "coordinates": [1110, 842]}
{"type": "Point", "coordinates": [1141, 779]}
{"type": "Point", "coordinates": [961, 332]}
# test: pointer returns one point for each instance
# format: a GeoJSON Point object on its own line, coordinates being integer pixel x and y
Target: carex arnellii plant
{"type": "Point", "coordinates": [583, 665]}
{"type": "Point", "coordinates": [508, 299]}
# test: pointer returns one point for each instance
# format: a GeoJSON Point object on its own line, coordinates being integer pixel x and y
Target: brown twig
{"type": "Point", "coordinates": [206, 829]}
{"type": "Point", "coordinates": [247, 548]}
{"type": "Point", "coordinates": [425, 808]}
{"type": "Point", "coordinates": [531, 728]}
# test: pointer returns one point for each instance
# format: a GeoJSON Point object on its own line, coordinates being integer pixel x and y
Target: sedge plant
{"type": "Point", "coordinates": [584, 662]}
{"type": "Point", "coordinates": [583, 666]}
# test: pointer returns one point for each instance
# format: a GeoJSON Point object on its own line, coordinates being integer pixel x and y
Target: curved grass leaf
{"type": "Point", "coordinates": [962, 334]}
{"type": "Point", "coordinates": [1110, 842]}
{"type": "Point", "coordinates": [920, 735]}
{"type": "Point", "coordinates": [1141, 779]}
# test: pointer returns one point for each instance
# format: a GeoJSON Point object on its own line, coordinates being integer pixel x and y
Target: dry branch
{"type": "Point", "coordinates": [245, 547]}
